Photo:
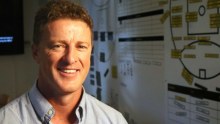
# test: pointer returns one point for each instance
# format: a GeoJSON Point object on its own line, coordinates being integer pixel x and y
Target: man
{"type": "Point", "coordinates": [62, 48]}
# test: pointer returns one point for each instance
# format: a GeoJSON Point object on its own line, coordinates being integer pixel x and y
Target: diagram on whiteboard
{"type": "Point", "coordinates": [192, 61]}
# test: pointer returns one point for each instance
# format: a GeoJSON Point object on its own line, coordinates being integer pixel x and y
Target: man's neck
{"type": "Point", "coordinates": [65, 107]}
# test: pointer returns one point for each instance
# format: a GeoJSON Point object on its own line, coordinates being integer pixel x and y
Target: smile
{"type": "Point", "coordinates": [69, 71]}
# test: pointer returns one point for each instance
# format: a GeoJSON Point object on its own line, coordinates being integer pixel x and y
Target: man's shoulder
{"type": "Point", "coordinates": [102, 112]}
{"type": "Point", "coordinates": [13, 109]}
{"type": "Point", "coordinates": [100, 106]}
{"type": "Point", "coordinates": [16, 103]}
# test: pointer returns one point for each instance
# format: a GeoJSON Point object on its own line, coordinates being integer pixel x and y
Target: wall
{"type": "Point", "coordinates": [127, 69]}
{"type": "Point", "coordinates": [192, 56]}
{"type": "Point", "coordinates": [18, 72]}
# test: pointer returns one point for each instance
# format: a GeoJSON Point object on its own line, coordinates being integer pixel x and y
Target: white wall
{"type": "Point", "coordinates": [138, 89]}
{"type": "Point", "coordinates": [192, 81]}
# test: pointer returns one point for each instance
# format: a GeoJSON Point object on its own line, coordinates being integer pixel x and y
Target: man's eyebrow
{"type": "Point", "coordinates": [84, 42]}
{"type": "Point", "coordinates": [59, 41]}
{"type": "Point", "coordinates": [66, 42]}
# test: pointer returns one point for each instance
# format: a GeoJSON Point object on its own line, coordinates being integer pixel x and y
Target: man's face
{"type": "Point", "coordinates": [63, 55]}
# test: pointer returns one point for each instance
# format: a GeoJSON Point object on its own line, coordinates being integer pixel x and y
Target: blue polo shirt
{"type": "Point", "coordinates": [33, 108]}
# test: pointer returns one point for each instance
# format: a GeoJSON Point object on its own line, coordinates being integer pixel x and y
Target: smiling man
{"type": "Point", "coordinates": [62, 49]}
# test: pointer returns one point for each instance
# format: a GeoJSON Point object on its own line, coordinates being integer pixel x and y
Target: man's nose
{"type": "Point", "coordinates": [71, 55]}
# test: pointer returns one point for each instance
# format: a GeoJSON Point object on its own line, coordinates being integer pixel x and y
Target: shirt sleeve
{"type": "Point", "coordinates": [7, 116]}
{"type": "Point", "coordinates": [122, 120]}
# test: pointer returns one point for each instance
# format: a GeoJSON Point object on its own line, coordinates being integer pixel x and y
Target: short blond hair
{"type": "Point", "coordinates": [58, 9]}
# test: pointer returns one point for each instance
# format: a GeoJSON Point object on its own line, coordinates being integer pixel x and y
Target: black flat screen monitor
{"type": "Point", "coordinates": [11, 27]}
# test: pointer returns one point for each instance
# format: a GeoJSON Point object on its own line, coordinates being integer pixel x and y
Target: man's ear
{"type": "Point", "coordinates": [35, 52]}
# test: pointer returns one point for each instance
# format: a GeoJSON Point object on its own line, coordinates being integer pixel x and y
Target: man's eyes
{"type": "Point", "coordinates": [63, 46]}
{"type": "Point", "coordinates": [83, 46]}
{"type": "Point", "coordinates": [57, 46]}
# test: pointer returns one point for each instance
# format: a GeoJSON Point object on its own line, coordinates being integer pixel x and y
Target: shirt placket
{"type": "Point", "coordinates": [79, 114]}
{"type": "Point", "coordinates": [48, 116]}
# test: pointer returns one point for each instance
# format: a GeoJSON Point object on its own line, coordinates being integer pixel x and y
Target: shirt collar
{"type": "Point", "coordinates": [46, 111]}
{"type": "Point", "coordinates": [42, 107]}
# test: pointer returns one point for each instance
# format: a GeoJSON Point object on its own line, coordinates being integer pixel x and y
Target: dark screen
{"type": "Point", "coordinates": [11, 27]}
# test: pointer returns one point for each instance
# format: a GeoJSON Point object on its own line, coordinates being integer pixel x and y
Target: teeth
{"type": "Point", "coordinates": [69, 71]}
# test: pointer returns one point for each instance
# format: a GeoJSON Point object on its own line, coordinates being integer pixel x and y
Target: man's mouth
{"type": "Point", "coordinates": [69, 71]}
